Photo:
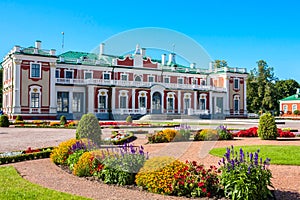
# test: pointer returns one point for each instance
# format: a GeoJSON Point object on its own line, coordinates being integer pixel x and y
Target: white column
{"type": "Point", "coordinates": [16, 107]}
{"type": "Point", "coordinates": [162, 102]}
{"type": "Point", "coordinates": [195, 100]}
{"type": "Point", "coordinates": [133, 98]}
{"type": "Point", "coordinates": [179, 101]}
{"type": "Point", "coordinates": [70, 102]}
{"type": "Point", "coordinates": [245, 96]}
{"type": "Point", "coordinates": [210, 103]}
{"type": "Point", "coordinates": [151, 95]}
{"type": "Point", "coordinates": [113, 99]}
{"type": "Point", "coordinates": [90, 98]}
{"type": "Point", "coordinates": [53, 93]}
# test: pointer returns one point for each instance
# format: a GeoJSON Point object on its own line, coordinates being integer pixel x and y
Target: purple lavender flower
{"type": "Point", "coordinates": [227, 154]}
{"type": "Point", "coordinates": [256, 158]}
{"type": "Point", "coordinates": [249, 170]}
{"type": "Point", "coordinates": [251, 156]}
{"type": "Point", "coordinates": [242, 155]}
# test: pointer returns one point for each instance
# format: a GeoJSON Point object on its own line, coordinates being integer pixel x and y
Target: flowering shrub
{"type": "Point", "coordinates": [158, 174]}
{"type": "Point", "coordinates": [75, 152]}
{"type": "Point", "coordinates": [166, 135]}
{"type": "Point", "coordinates": [119, 138]}
{"type": "Point", "coordinates": [206, 134]}
{"type": "Point", "coordinates": [84, 166]}
{"type": "Point", "coordinates": [195, 181]}
{"type": "Point", "coordinates": [54, 124]}
{"type": "Point", "coordinates": [183, 132]}
{"type": "Point", "coordinates": [121, 167]}
{"type": "Point", "coordinates": [72, 123]}
{"type": "Point", "coordinates": [60, 154]}
{"type": "Point", "coordinates": [251, 132]}
{"type": "Point", "coordinates": [224, 133]}
{"type": "Point", "coordinates": [245, 176]}
{"type": "Point", "coordinates": [285, 133]}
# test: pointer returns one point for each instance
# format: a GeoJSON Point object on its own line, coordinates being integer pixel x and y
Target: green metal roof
{"type": "Point", "coordinates": [295, 97]}
{"type": "Point", "coordinates": [78, 55]}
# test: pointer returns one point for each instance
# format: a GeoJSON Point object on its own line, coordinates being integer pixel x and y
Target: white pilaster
{"type": "Point", "coordinates": [210, 103]}
{"type": "Point", "coordinates": [133, 98]}
{"type": "Point", "coordinates": [16, 90]}
{"type": "Point", "coordinates": [52, 88]}
{"type": "Point", "coordinates": [90, 96]}
{"type": "Point", "coordinates": [113, 99]}
{"type": "Point", "coordinates": [162, 102]}
{"type": "Point", "coordinates": [195, 100]}
{"type": "Point", "coordinates": [70, 102]}
{"type": "Point", "coordinates": [179, 101]}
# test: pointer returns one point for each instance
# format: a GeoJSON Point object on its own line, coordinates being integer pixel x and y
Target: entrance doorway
{"type": "Point", "coordinates": [156, 103]}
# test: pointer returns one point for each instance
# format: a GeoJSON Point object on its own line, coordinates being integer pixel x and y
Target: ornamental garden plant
{"type": "Point", "coordinates": [267, 129]}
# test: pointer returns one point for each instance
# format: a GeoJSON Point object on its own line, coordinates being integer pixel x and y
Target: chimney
{"type": "Point", "coordinates": [102, 48]}
{"type": "Point", "coordinates": [193, 65]}
{"type": "Point", "coordinates": [38, 44]}
{"type": "Point", "coordinates": [163, 59]}
{"type": "Point", "coordinates": [143, 50]}
{"type": "Point", "coordinates": [171, 59]}
{"type": "Point", "coordinates": [16, 48]}
{"type": "Point", "coordinates": [52, 52]}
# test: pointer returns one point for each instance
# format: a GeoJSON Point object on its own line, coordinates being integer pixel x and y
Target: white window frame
{"type": "Point", "coordinates": [182, 80]}
{"type": "Point", "coordinates": [35, 89]}
{"type": "Point", "coordinates": [151, 76]}
{"type": "Point", "coordinates": [203, 82]}
{"type": "Point", "coordinates": [69, 70]}
{"type": "Point", "coordinates": [123, 93]}
{"type": "Point", "coordinates": [142, 94]}
{"type": "Point", "coordinates": [195, 81]}
{"type": "Point", "coordinates": [103, 92]}
{"type": "Point", "coordinates": [88, 72]}
{"type": "Point", "coordinates": [75, 102]}
{"type": "Point", "coordinates": [40, 66]}
{"type": "Point", "coordinates": [139, 77]}
{"type": "Point", "coordinates": [171, 95]}
{"type": "Point", "coordinates": [236, 98]}
{"type": "Point", "coordinates": [189, 97]}
{"type": "Point", "coordinates": [238, 85]}
{"type": "Point", "coordinates": [124, 75]}
{"type": "Point", "coordinates": [204, 97]}
{"type": "Point", "coordinates": [167, 78]}
{"type": "Point", "coordinates": [285, 109]}
{"type": "Point", "coordinates": [106, 73]}
{"type": "Point", "coordinates": [57, 70]}
{"type": "Point", "coordinates": [294, 107]}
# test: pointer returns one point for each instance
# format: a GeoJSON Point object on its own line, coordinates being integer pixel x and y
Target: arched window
{"type": "Point", "coordinates": [35, 96]}
{"type": "Point", "coordinates": [236, 104]}
{"type": "Point", "coordinates": [170, 102]}
{"type": "Point", "coordinates": [202, 102]}
{"type": "Point", "coordinates": [138, 79]}
{"type": "Point", "coordinates": [102, 100]}
{"type": "Point", "coordinates": [142, 99]}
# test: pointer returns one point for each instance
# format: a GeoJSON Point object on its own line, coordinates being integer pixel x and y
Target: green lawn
{"type": "Point", "coordinates": [12, 187]}
{"type": "Point", "coordinates": [281, 155]}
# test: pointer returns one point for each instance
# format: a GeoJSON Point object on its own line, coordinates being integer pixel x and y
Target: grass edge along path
{"type": "Point", "coordinates": [279, 154]}
{"type": "Point", "coordinates": [13, 186]}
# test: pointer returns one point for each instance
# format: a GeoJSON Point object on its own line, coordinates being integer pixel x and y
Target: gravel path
{"type": "Point", "coordinates": [286, 179]}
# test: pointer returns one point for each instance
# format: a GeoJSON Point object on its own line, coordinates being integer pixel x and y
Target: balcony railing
{"type": "Point", "coordinates": [197, 112]}
{"type": "Point", "coordinates": [136, 84]}
{"type": "Point", "coordinates": [128, 111]}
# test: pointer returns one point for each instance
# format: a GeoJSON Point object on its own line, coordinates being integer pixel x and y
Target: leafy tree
{"type": "Point", "coordinates": [286, 88]}
{"type": "Point", "coordinates": [220, 63]}
{"type": "Point", "coordinates": [261, 89]}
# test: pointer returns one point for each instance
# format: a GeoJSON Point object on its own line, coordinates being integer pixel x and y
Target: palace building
{"type": "Point", "coordinates": [38, 84]}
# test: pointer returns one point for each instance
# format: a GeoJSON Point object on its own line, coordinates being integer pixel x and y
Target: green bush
{"type": "Point", "coordinates": [89, 127]}
{"type": "Point", "coordinates": [4, 122]}
{"type": "Point", "coordinates": [19, 118]}
{"type": "Point", "coordinates": [245, 175]}
{"type": "Point", "coordinates": [224, 133]}
{"type": "Point", "coordinates": [129, 119]}
{"type": "Point", "coordinates": [63, 120]}
{"type": "Point", "coordinates": [297, 112]}
{"type": "Point", "coordinates": [267, 129]}
{"type": "Point", "coordinates": [206, 134]}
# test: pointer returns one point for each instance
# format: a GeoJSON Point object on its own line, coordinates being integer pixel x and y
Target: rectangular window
{"type": "Point", "coordinates": [123, 102]}
{"type": "Point", "coordinates": [102, 102]}
{"type": "Point", "coordinates": [236, 83]}
{"type": "Point", "coordinates": [180, 80]}
{"type": "Point", "coordinates": [57, 73]}
{"type": "Point", "coordinates": [167, 80]}
{"type": "Point", "coordinates": [170, 104]}
{"type": "Point", "coordinates": [294, 107]}
{"type": "Point", "coordinates": [77, 103]}
{"type": "Point", "coordinates": [236, 105]}
{"type": "Point", "coordinates": [202, 104]}
{"type": "Point", "coordinates": [35, 100]}
{"type": "Point", "coordinates": [87, 75]}
{"type": "Point", "coordinates": [194, 81]}
{"type": "Point", "coordinates": [63, 102]}
{"type": "Point", "coordinates": [35, 70]}
{"type": "Point", "coordinates": [150, 79]}
{"type": "Point", "coordinates": [106, 76]}
{"type": "Point", "coordinates": [285, 108]}
{"type": "Point", "coordinates": [203, 82]}
{"type": "Point", "coordinates": [124, 77]}
{"type": "Point", "coordinates": [69, 74]}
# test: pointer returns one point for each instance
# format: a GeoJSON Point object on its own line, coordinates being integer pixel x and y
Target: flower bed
{"type": "Point", "coordinates": [120, 137]}
{"type": "Point", "coordinates": [28, 154]}
{"type": "Point", "coordinates": [252, 132]}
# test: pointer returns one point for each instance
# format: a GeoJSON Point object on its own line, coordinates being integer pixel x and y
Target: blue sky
{"type": "Point", "coordinates": [237, 31]}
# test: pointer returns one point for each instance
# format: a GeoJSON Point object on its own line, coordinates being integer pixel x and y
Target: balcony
{"type": "Point", "coordinates": [137, 84]}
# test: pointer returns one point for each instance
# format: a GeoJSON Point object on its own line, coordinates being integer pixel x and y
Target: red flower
{"type": "Point", "coordinates": [208, 194]}
{"type": "Point", "coordinates": [203, 189]}
{"type": "Point", "coordinates": [200, 184]}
